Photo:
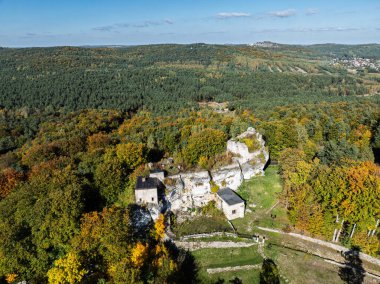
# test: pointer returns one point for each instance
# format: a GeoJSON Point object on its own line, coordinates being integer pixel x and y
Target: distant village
{"type": "Point", "coordinates": [357, 63]}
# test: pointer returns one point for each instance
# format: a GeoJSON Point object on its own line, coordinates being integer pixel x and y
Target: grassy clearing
{"type": "Point", "coordinates": [261, 193]}
{"type": "Point", "coordinates": [223, 257]}
{"type": "Point", "coordinates": [299, 267]}
{"type": "Point", "coordinates": [293, 266]}
{"type": "Point", "coordinates": [212, 258]}
{"type": "Point", "coordinates": [202, 224]}
{"type": "Point", "coordinates": [246, 276]}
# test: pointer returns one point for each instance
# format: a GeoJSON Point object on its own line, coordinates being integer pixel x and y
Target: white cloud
{"type": "Point", "coordinates": [104, 28]}
{"type": "Point", "coordinates": [229, 15]}
{"type": "Point", "coordinates": [144, 24]}
{"type": "Point", "coordinates": [312, 11]}
{"type": "Point", "coordinates": [283, 13]}
{"type": "Point", "coordinates": [307, 30]}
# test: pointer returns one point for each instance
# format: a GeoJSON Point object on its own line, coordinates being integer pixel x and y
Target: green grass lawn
{"type": "Point", "coordinates": [261, 193]}
{"type": "Point", "coordinates": [299, 267]}
{"type": "Point", "coordinates": [202, 224]}
{"type": "Point", "coordinates": [246, 276]}
{"type": "Point", "coordinates": [212, 258]}
{"type": "Point", "coordinates": [293, 266]}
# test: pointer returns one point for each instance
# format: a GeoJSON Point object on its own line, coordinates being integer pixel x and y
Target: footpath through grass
{"type": "Point", "coordinates": [261, 194]}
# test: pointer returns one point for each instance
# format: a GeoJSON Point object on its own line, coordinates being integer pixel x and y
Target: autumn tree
{"type": "Point", "coordinates": [139, 255]}
{"type": "Point", "coordinates": [159, 227]}
{"type": "Point", "coordinates": [110, 177]}
{"type": "Point", "coordinates": [66, 270]}
{"type": "Point", "coordinates": [98, 141]}
{"type": "Point", "coordinates": [9, 178]}
{"type": "Point", "coordinates": [131, 155]}
{"type": "Point", "coordinates": [36, 225]}
{"type": "Point", "coordinates": [206, 143]}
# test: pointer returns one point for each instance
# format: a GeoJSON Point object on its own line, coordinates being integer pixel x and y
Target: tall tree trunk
{"type": "Point", "coordinates": [352, 231]}
{"type": "Point", "coordinates": [374, 230]}
{"type": "Point", "coordinates": [339, 232]}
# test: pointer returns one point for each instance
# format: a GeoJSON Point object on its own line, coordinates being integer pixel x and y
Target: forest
{"type": "Point", "coordinates": [132, 78]}
{"type": "Point", "coordinates": [78, 125]}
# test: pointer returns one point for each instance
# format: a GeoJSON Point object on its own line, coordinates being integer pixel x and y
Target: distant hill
{"type": "Point", "coordinates": [349, 51]}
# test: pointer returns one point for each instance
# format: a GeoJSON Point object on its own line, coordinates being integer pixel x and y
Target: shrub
{"type": "Point", "coordinates": [203, 162]}
{"type": "Point", "coordinates": [214, 187]}
{"type": "Point", "coordinates": [252, 143]}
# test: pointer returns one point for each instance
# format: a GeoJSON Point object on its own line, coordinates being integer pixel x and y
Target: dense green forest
{"type": "Point", "coordinates": [177, 76]}
{"type": "Point", "coordinates": [78, 125]}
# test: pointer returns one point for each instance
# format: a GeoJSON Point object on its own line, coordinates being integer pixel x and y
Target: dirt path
{"type": "Point", "coordinates": [200, 245]}
{"type": "Point", "coordinates": [274, 205]}
{"type": "Point", "coordinates": [260, 250]}
{"type": "Point", "coordinates": [336, 247]}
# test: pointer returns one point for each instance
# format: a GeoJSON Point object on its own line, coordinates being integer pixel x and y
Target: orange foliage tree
{"type": "Point", "coordinates": [9, 178]}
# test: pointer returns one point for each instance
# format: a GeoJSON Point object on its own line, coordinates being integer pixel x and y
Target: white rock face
{"type": "Point", "coordinates": [250, 171]}
{"type": "Point", "coordinates": [193, 189]}
{"type": "Point", "coordinates": [252, 164]}
{"type": "Point", "coordinates": [154, 212]}
{"type": "Point", "coordinates": [230, 176]}
{"type": "Point", "coordinates": [196, 182]}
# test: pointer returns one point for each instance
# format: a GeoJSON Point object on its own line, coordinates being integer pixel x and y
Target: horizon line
{"type": "Point", "coordinates": [190, 43]}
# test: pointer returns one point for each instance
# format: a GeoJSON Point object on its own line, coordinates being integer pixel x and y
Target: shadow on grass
{"type": "Point", "coordinates": [269, 273]}
{"type": "Point", "coordinates": [353, 271]}
{"type": "Point", "coordinates": [188, 270]}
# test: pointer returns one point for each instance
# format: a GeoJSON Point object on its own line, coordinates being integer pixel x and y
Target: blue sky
{"type": "Point", "coordinates": [97, 22]}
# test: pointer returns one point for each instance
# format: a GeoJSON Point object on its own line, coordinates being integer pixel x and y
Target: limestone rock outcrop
{"type": "Point", "coordinates": [257, 158]}
{"type": "Point", "coordinates": [229, 176]}
{"type": "Point", "coordinates": [193, 189]}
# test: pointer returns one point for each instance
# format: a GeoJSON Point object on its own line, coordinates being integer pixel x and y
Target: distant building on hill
{"type": "Point", "coordinates": [146, 190]}
{"type": "Point", "coordinates": [230, 203]}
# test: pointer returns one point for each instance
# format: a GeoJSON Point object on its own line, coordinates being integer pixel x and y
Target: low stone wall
{"type": "Point", "coordinates": [209, 235]}
{"type": "Point", "coordinates": [215, 244]}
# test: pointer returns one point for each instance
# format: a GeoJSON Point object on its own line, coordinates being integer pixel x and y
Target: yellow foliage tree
{"type": "Point", "coordinates": [214, 187]}
{"type": "Point", "coordinates": [159, 227]}
{"type": "Point", "coordinates": [370, 245]}
{"type": "Point", "coordinates": [361, 136]}
{"type": "Point", "coordinates": [131, 154]}
{"type": "Point", "coordinates": [66, 270]}
{"type": "Point", "coordinates": [139, 255]}
{"type": "Point", "coordinates": [10, 278]}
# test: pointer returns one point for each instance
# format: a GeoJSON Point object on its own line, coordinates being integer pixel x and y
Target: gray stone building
{"type": "Point", "coordinates": [230, 203]}
{"type": "Point", "coordinates": [146, 190]}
